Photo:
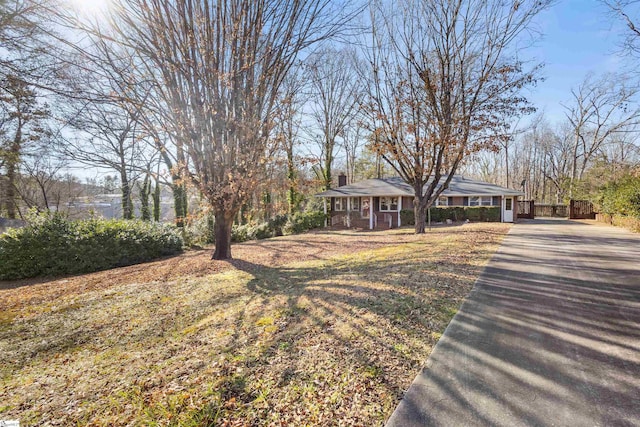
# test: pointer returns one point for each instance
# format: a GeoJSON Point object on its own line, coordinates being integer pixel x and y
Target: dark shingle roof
{"type": "Point", "coordinates": [459, 186]}
{"type": "Point", "coordinates": [371, 187]}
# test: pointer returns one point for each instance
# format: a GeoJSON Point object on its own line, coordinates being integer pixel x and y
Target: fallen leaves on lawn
{"type": "Point", "coordinates": [327, 328]}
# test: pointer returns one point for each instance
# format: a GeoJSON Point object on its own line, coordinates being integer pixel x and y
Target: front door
{"type": "Point", "coordinates": [365, 208]}
{"type": "Point", "coordinates": [507, 211]}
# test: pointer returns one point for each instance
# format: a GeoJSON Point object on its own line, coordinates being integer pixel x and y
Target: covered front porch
{"type": "Point", "coordinates": [370, 213]}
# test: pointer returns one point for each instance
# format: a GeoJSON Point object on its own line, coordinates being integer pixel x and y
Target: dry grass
{"type": "Point", "coordinates": [629, 222]}
{"type": "Point", "coordinates": [318, 329]}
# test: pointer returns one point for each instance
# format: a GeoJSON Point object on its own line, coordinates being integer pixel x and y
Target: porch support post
{"type": "Point", "coordinates": [324, 205]}
{"type": "Point", "coordinates": [371, 209]}
{"type": "Point", "coordinates": [348, 212]}
{"type": "Point", "coordinates": [399, 209]}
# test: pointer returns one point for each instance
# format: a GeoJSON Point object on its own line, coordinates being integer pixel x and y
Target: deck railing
{"type": "Point", "coordinates": [355, 219]}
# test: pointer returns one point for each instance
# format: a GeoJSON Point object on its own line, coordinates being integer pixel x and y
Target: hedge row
{"type": "Point", "coordinates": [621, 197]}
{"type": "Point", "coordinates": [51, 245]}
{"type": "Point", "coordinates": [278, 226]}
{"type": "Point", "coordinates": [456, 213]}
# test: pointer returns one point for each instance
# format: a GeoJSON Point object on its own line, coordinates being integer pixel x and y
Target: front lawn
{"type": "Point", "coordinates": [326, 328]}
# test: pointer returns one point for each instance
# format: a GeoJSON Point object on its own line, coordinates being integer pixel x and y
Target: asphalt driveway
{"type": "Point", "coordinates": [549, 336]}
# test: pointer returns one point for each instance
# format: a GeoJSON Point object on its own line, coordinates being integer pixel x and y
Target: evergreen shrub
{"type": "Point", "coordinates": [304, 221]}
{"type": "Point", "coordinates": [52, 245]}
{"type": "Point", "coordinates": [456, 214]}
{"type": "Point", "coordinates": [621, 197]}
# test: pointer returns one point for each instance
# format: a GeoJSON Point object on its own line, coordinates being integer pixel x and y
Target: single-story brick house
{"type": "Point", "coordinates": [378, 202]}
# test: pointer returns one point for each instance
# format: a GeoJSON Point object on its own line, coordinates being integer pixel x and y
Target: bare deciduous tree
{"type": "Point", "coordinates": [352, 142]}
{"type": "Point", "coordinates": [108, 134]}
{"type": "Point", "coordinates": [628, 12]}
{"type": "Point", "coordinates": [17, 33]}
{"type": "Point", "coordinates": [335, 93]}
{"type": "Point", "coordinates": [600, 110]}
{"type": "Point", "coordinates": [40, 183]}
{"type": "Point", "coordinates": [216, 68]}
{"type": "Point", "coordinates": [288, 118]}
{"type": "Point", "coordinates": [22, 115]}
{"type": "Point", "coordinates": [446, 79]}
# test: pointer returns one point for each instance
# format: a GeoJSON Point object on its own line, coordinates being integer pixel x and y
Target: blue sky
{"type": "Point", "coordinates": [579, 37]}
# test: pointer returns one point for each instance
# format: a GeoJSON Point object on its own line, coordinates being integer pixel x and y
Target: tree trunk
{"type": "Point", "coordinates": [3, 194]}
{"type": "Point", "coordinates": [420, 213]}
{"type": "Point", "coordinates": [127, 204]}
{"type": "Point", "coordinates": [145, 191]}
{"type": "Point", "coordinates": [506, 163]}
{"type": "Point", "coordinates": [292, 196]}
{"type": "Point", "coordinates": [223, 235]}
{"type": "Point", "coordinates": [10, 192]}
{"type": "Point", "coordinates": [266, 199]}
{"type": "Point", "coordinates": [12, 169]}
{"type": "Point", "coordinates": [328, 161]}
{"type": "Point", "coordinates": [574, 166]}
{"type": "Point", "coordinates": [242, 217]}
{"type": "Point", "coordinates": [185, 205]}
{"type": "Point", "coordinates": [179, 204]}
{"type": "Point", "coordinates": [156, 202]}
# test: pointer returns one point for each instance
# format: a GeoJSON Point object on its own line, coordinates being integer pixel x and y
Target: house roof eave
{"type": "Point", "coordinates": [395, 187]}
{"type": "Point", "coordinates": [504, 193]}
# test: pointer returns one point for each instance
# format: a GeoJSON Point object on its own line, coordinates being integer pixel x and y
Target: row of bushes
{"type": "Point", "coordinates": [456, 213]}
{"type": "Point", "coordinates": [52, 245]}
{"type": "Point", "coordinates": [278, 226]}
{"type": "Point", "coordinates": [271, 228]}
{"type": "Point", "coordinates": [618, 202]}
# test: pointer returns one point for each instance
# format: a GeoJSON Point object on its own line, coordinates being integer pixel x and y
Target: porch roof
{"type": "Point", "coordinates": [395, 186]}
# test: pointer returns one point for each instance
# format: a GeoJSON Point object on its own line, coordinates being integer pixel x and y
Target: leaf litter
{"type": "Point", "coordinates": [325, 328]}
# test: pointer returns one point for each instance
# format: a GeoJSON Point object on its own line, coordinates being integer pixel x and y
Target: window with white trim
{"type": "Point", "coordinates": [442, 201]}
{"type": "Point", "coordinates": [355, 203]}
{"type": "Point", "coordinates": [481, 201]}
{"type": "Point", "coordinates": [388, 204]}
{"type": "Point", "coordinates": [340, 204]}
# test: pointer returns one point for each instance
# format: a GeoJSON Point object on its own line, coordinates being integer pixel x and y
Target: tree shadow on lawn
{"type": "Point", "coordinates": [380, 318]}
{"type": "Point", "coordinates": [339, 338]}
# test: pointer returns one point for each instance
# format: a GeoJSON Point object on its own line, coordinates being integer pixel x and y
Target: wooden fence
{"type": "Point", "coordinates": [526, 209]}
{"type": "Point", "coordinates": [581, 209]}
{"type": "Point", "coordinates": [577, 209]}
{"type": "Point", "coordinates": [553, 211]}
